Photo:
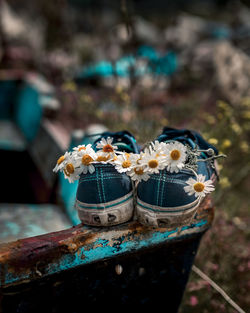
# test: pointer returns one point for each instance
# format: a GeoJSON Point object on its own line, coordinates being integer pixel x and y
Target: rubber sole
{"type": "Point", "coordinates": [106, 214]}
{"type": "Point", "coordinates": [155, 216]}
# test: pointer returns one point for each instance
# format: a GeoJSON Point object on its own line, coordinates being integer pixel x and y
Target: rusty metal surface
{"type": "Point", "coordinates": [34, 258]}
{"type": "Point", "coordinates": [153, 277]}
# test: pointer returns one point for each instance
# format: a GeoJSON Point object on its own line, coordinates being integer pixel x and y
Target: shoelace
{"type": "Point", "coordinates": [212, 157]}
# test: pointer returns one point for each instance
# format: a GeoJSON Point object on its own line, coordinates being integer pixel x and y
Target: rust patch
{"type": "Point", "coordinates": [77, 241]}
{"type": "Point", "coordinates": [32, 256]}
{"type": "Point", "coordinates": [141, 230]}
{"type": "Point", "coordinates": [24, 255]}
{"type": "Point", "coordinates": [206, 210]}
{"type": "Point", "coordinates": [138, 228]}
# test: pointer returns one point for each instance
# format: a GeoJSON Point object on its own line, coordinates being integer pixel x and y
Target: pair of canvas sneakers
{"type": "Point", "coordinates": [161, 185]}
{"type": "Point", "coordinates": [174, 174]}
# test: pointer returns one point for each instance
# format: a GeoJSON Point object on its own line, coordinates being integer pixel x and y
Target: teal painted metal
{"type": "Point", "coordinates": [7, 97]}
{"type": "Point", "coordinates": [27, 220]}
{"type": "Point", "coordinates": [82, 245]}
{"type": "Point", "coordinates": [28, 111]}
{"type": "Point", "coordinates": [67, 193]}
{"type": "Point", "coordinates": [100, 249]}
{"type": "Point", "coordinates": [19, 105]}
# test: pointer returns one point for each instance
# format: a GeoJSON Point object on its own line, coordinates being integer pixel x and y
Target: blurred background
{"type": "Point", "coordinates": [72, 67]}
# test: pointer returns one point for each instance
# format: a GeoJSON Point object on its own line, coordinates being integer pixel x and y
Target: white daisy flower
{"type": "Point", "coordinates": [138, 174]}
{"type": "Point", "coordinates": [81, 149]}
{"type": "Point", "coordinates": [62, 161]}
{"type": "Point", "coordinates": [135, 158]}
{"type": "Point", "coordinates": [106, 158]}
{"type": "Point", "coordinates": [152, 161]}
{"type": "Point", "coordinates": [175, 156]}
{"type": "Point", "coordinates": [123, 163]}
{"type": "Point", "coordinates": [159, 147]}
{"type": "Point", "coordinates": [102, 157]}
{"type": "Point", "coordinates": [72, 170]}
{"type": "Point", "coordinates": [106, 145]}
{"type": "Point", "coordinates": [199, 187]}
{"type": "Point", "coordinates": [86, 158]}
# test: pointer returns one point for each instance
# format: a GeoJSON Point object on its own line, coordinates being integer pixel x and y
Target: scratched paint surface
{"type": "Point", "coordinates": [32, 258]}
{"type": "Point", "coordinates": [149, 277]}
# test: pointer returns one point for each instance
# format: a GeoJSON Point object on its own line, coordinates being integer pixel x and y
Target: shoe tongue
{"type": "Point", "coordinates": [123, 140]}
{"type": "Point", "coordinates": [182, 139]}
{"type": "Point", "coordinates": [123, 147]}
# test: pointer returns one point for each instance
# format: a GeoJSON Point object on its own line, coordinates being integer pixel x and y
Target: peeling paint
{"type": "Point", "coordinates": [36, 257]}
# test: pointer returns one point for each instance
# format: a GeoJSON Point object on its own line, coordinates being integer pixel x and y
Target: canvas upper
{"type": "Point", "coordinates": [106, 184]}
{"type": "Point", "coordinates": [167, 189]}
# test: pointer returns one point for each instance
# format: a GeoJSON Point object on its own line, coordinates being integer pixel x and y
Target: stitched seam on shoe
{"type": "Point", "coordinates": [162, 190]}
{"type": "Point", "coordinates": [162, 183]}
{"type": "Point", "coordinates": [85, 206]}
{"type": "Point", "coordinates": [168, 211]}
{"type": "Point", "coordinates": [104, 177]}
{"type": "Point", "coordinates": [93, 176]}
{"type": "Point", "coordinates": [84, 177]}
{"type": "Point", "coordinates": [177, 181]}
{"type": "Point", "coordinates": [98, 186]}
{"type": "Point", "coordinates": [103, 191]}
{"type": "Point", "coordinates": [181, 207]}
{"type": "Point", "coordinates": [158, 189]}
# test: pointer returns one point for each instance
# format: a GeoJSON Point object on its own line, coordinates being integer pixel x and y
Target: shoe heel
{"type": "Point", "coordinates": [106, 214]}
{"type": "Point", "coordinates": [170, 217]}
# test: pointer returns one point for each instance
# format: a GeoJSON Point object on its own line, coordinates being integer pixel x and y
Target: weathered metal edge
{"type": "Point", "coordinates": [32, 258]}
{"type": "Point", "coordinates": [45, 150]}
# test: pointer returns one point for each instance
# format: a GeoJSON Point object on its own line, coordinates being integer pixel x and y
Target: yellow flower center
{"type": "Point", "coordinates": [199, 187]}
{"type": "Point", "coordinates": [175, 155]}
{"type": "Point", "coordinates": [108, 148]}
{"type": "Point", "coordinates": [102, 158]}
{"type": "Point", "coordinates": [69, 169]}
{"type": "Point", "coordinates": [126, 164]}
{"type": "Point", "coordinates": [127, 155]}
{"type": "Point", "coordinates": [60, 160]}
{"type": "Point", "coordinates": [139, 171]}
{"type": "Point", "coordinates": [138, 161]}
{"type": "Point", "coordinates": [82, 148]}
{"type": "Point", "coordinates": [153, 163]}
{"type": "Point", "coordinates": [86, 159]}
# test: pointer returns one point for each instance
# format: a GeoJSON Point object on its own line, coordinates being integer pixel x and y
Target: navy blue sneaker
{"type": "Point", "coordinates": [105, 197]}
{"type": "Point", "coordinates": [182, 170]}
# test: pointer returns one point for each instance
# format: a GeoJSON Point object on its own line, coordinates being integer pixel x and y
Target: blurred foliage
{"type": "Point", "coordinates": [224, 254]}
{"type": "Point", "coordinates": [225, 126]}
